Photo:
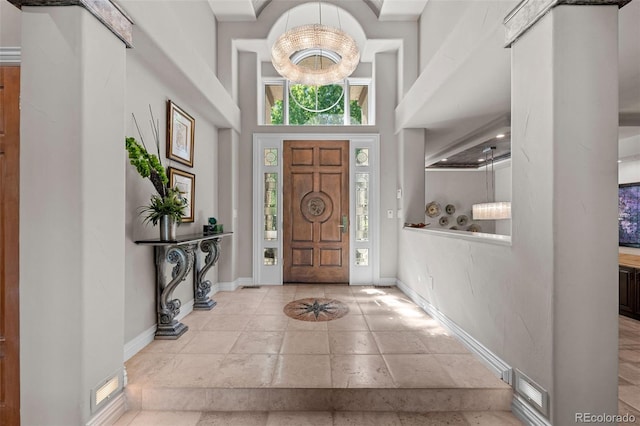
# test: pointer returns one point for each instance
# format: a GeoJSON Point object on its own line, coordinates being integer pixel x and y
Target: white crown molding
{"type": "Point", "coordinates": [10, 55]}
{"type": "Point", "coordinates": [528, 12]}
{"type": "Point", "coordinates": [105, 11]}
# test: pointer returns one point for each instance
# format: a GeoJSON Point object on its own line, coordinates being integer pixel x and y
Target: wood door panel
{"type": "Point", "coordinates": [302, 257]}
{"type": "Point", "coordinates": [302, 157]}
{"type": "Point", "coordinates": [301, 185]}
{"type": "Point", "coordinates": [9, 261]}
{"type": "Point", "coordinates": [627, 285]}
{"type": "Point", "coordinates": [330, 257]}
{"type": "Point", "coordinates": [2, 116]}
{"type": "Point", "coordinates": [330, 230]}
{"type": "Point", "coordinates": [330, 157]}
{"type": "Point", "coordinates": [315, 198]}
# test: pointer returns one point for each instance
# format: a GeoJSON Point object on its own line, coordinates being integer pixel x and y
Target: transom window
{"type": "Point", "coordinates": [344, 104]}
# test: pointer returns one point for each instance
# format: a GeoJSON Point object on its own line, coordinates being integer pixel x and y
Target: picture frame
{"type": "Point", "coordinates": [180, 134]}
{"type": "Point", "coordinates": [186, 184]}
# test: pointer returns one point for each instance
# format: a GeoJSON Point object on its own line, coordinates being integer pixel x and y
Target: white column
{"type": "Point", "coordinates": [410, 170]}
{"type": "Point", "coordinates": [228, 145]}
{"type": "Point", "coordinates": [71, 212]}
{"type": "Point", "coordinates": [564, 144]}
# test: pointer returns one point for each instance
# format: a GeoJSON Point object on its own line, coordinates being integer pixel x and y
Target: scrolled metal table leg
{"type": "Point", "coordinates": [201, 287]}
{"type": "Point", "coordinates": [168, 308]}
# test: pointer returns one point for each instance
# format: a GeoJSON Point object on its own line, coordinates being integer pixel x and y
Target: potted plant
{"type": "Point", "coordinates": [167, 206]}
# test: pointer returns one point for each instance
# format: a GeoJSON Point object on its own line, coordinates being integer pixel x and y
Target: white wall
{"type": "Point", "coordinates": [437, 21]}
{"type": "Point", "coordinates": [243, 65]}
{"type": "Point", "coordinates": [462, 189]}
{"type": "Point", "coordinates": [629, 171]}
{"type": "Point", "coordinates": [146, 86]}
{"type": "Point", "coordinates": [520, 300]}
{"type": "Point", "coordinates": [10, 22]}
{"type": "Point", "coordinates": [72, 208]}
{"type": "Point", "coordinates": [410, 165]}
{"type": "Point", "coordinates": [503, 193]}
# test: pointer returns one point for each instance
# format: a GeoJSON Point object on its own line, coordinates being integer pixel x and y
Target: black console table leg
{"type": "Point", "coordinates": [168, 308]}
{"type": "Point", "coordinates": [201, 287]}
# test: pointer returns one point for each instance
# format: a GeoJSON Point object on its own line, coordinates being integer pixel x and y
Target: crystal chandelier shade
{"type": "Point", "coordinates": [316, 38]}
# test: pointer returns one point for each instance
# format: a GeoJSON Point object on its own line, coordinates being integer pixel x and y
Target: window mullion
{"type": "Point", "coordinates": [347, 110]}
{"type": "Point", "coordinates": [285, 103]}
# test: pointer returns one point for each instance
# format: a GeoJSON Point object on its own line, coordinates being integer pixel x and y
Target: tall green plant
{"type": "Point", "coordinates": [168, 201]}
{"type": "Point", "coordinates": [147, 165]}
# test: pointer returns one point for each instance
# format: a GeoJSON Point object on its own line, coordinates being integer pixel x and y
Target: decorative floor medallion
{"type": "Point", "coordinates": [316, 309]}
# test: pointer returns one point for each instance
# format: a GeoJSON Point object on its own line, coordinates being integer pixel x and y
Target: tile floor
{"type": "Point", "coordinates": [629, 367]}
{"type": "Point", "coordinates": [386, 354]}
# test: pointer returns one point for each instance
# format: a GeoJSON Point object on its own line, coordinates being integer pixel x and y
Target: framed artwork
{"type": "Point", "coordinates": [180, 134]}
{"type": "Point", "coordinates": [186, 184]}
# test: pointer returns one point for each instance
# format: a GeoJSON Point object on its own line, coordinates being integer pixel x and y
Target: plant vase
{"type": "Point", "coordinates": [167, 228]}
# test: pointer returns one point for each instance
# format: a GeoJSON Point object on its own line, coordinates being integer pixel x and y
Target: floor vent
{"type": "Point", "coordinates": [532, 392]}
{"type": "Point", "coordinates": [249, 287]}
{"type": "Point", "coordinates": [382, 286]}
{"type": "Point", "coordinates": [105, 391]}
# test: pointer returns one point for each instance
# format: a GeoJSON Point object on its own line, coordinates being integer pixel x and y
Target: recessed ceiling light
{"type": "Point", "coordinates": [619, 161]}
{"type": "Point", "coordinates": [481, 159]}
{"type": "Point", "coordinates": [500, 135]}
{"type": "Point", "coordinates": [444, 159]}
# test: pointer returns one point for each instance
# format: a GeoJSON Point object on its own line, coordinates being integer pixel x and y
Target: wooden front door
{"type": "Point", "coordinates": [9, 202]}
{"type": "Point", "coordinates": [316, 211]}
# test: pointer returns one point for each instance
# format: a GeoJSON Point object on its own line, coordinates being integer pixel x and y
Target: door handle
{"type": "Point", "coordinates": [345, 225]}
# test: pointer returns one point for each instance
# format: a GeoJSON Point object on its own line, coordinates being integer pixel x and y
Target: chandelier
{"type": "Point", "coordinates": [315, 54]}
{"type": "Point", "coordinates": [491, 210]}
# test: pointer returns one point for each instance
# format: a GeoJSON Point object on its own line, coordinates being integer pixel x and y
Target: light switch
{"type": "Point", "coordinates": [399, 193]}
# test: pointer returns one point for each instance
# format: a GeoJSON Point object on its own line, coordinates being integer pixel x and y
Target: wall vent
{"type": "Point", "coordinates": [532, 392]}
{"type": "Point", "coordinates": [105, 391]}
{"type": "Point", "coordinates": [249, 287]}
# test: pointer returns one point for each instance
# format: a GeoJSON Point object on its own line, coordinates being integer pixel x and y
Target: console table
{"type": "Point", "coordinates": [182, 252]}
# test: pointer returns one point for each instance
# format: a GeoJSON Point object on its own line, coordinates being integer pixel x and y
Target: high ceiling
{"type": "Point", "coordinates": [458, 90]}
{"type": "Point", "coordinates": [249, 10]}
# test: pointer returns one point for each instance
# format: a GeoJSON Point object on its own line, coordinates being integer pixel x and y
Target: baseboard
{"type": "Point", "coordinates": [234, 285]}
{"type": "Point", "coordinates": [495, 364]}
{"type": "Point", "coordinates": [526, 413]}
{"type": "Point", "coordinates": [138, 343]}
{"type": "Point", "coordinates": [388, 281]}
{"type": "Point", "coordinates": [110, 413]}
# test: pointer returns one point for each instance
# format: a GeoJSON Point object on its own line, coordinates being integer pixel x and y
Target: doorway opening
{"type": "Point", "coordinates": [316, 211]}
{"type": "Point", "coordinates": [316, 208]}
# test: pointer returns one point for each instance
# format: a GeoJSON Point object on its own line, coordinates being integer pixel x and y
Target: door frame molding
{"type": "Point", "coordinates": [10, 56]}
{"type": "Point", "coordinates": [358, 275]}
